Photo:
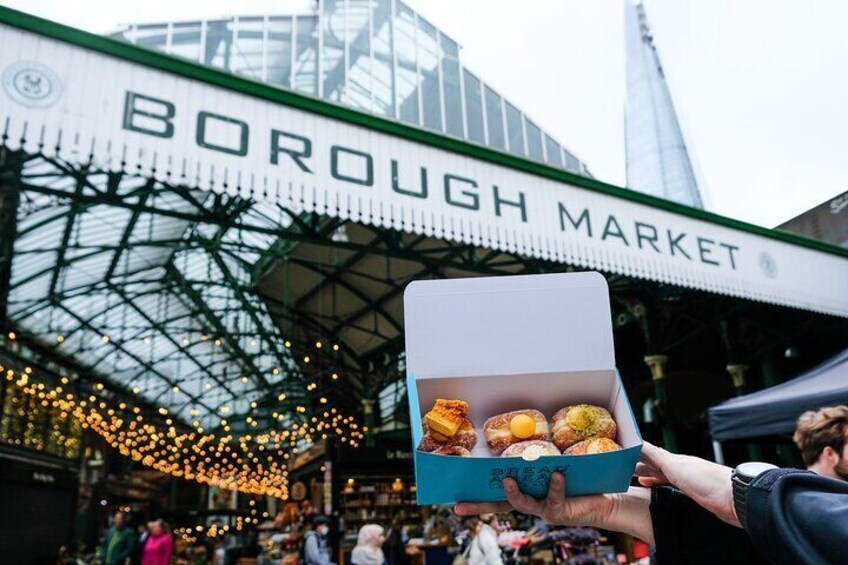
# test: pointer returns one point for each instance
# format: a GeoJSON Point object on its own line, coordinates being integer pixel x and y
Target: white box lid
{"type": "Point", "coordinates": [506, 325]}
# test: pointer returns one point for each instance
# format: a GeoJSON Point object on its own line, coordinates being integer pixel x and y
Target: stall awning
{"type": "Point", "coordinates": [90, 100]}
{"type": "Point", "coordinates": [775, 410]}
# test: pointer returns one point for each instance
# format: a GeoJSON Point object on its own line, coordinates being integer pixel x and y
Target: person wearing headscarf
{"type": "Point", "coordinates": [484, 549]}
{"type": "Point", "coordinates": [368, 550]}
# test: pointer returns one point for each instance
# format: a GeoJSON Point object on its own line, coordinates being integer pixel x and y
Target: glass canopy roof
{"type": "Point", "coordinates": [156, 303]}
{"type": "Point", "coordinates": [378, 56]}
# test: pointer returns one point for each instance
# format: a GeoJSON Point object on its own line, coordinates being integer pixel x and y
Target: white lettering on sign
{"type": "Point", "coordinates": [43, 477]}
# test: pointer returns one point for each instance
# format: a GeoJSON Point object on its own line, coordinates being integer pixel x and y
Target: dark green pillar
{"type": "Point", "coordinates": [368, 421]}
{"type": "Point", "coordinates": [657, 365]}
{"type": "Point", "coordinates": [739, 372]}
{"type": "Point", "coordinates": [11, 165]}
{"type": "Point", "coordinates": [787, 455]}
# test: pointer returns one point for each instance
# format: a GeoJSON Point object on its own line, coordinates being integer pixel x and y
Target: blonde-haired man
{"type": "Point", "coordinates": [822, 437]}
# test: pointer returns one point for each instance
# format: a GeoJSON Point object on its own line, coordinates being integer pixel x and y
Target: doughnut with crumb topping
{"type": "Point", "coordinates": [580, 422]}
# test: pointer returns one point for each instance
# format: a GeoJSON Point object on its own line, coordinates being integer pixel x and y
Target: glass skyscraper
{"type": "Point", "coordinates": [657, 160]}
{"type": "Point", "coordinates": [379, 56]}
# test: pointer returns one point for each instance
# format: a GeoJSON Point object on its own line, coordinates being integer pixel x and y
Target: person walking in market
{"type": "Point", "coordinates": [395, 546]}
{"type": "Point", "coordinates": [369, 546]}
{"type": "Point", "coordinates": [119, 543]}
{"type": "Point", "coordinates": [159, 547]}
{"type": "Point", "coordinates": [316, 551]}
{"type": "Point", "coordinates": [822, 437]}
{"type": "Point", "coordinates": [484, 549]}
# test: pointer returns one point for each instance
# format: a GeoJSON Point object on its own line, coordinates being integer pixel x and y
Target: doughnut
{"type": "Point", "coordinates": [465, 437]}
{"type": "Point", "coordinates": [579, 422]}
{"type": "Point", "coordinates": [531, 449]}
{"type": "Point", "coordinates": [501, 430]}
{"type": "Point", "coordinates": [455, 450]}
{"type": "Point", "coordinates": [593, 445]}
{"type": "Point", "coordinates": [446, 416]}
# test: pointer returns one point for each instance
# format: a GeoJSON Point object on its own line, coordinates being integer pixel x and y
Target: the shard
{"type": "Point", "coordinates": [657, 160]}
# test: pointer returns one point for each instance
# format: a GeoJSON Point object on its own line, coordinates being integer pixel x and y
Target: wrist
{"type": "Point", "coordinates": [630, 513]}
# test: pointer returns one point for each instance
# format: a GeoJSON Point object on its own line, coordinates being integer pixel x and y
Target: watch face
{"type": "Point", "coordinates": [753, 468]}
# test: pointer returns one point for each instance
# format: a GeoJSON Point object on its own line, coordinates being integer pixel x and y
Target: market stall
{"type": "Point", "coordinates": [775, 410]}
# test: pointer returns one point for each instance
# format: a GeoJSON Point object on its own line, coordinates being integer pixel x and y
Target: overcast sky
{"type": "Point", "coordinates": [760, 86]}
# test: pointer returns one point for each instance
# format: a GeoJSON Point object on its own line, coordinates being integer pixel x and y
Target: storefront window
{"type": "Point", "coordinates": [534, 141]}
{"type": "Point", "coordinates": [428, 64]}
{"type": "Point", "coordinates": [358, 93]}
{"type": "Point", "coordinates": [382, 75]}
{"type": "Point", "coordinates": [451, 88]}
{"type": "Point", "coordinates": [407, 71]}
{"type": "Point", "coordinates": [26, 423]}
{"type": "Point", "coordinates": [219, 41]}
{"type": "Point", "coordinates": [473, 107]}
{"type": "Point", "coordinates": [554, 152]}
{"type": "Point", "coordinates": [185, 40]}
{"type": "Point", "coordinates": [152, 36]}
{"type": "Point", "coordinates": [333, 69]}
{"type": "Point", "coordinates": [247, 51]}
{"type": "Point", "coordinates": [571, 162]}
{"type": "Point", "coordinates": [514, 130]}
{"type": "Point", "coordinates": [305, 64]}
{"type": "Point", "coordinates": [279, 51]}
{"type": "Point", "coordinates": [494, 119]}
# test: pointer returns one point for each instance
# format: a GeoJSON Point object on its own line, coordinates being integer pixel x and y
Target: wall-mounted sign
{"type": "Point", "coordinates": [182, 130]}
{"type": "Point", "coordinates": [317, 450]}
{"type": "Point", "coordinates": [298, 491]}
{"type": "Point", "coordinates": [328, 488]}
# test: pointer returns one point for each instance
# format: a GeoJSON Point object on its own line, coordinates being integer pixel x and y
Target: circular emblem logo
{"type": "Point", "coordinates": [32, 84]}
{"type": "Point", "coordinates": [768, 265]}
{"type": "Point", "coordinates": [298, 491]}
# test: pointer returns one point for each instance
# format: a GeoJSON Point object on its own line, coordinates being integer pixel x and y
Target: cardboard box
{"type": "Point", "coordinates": [509, 343]}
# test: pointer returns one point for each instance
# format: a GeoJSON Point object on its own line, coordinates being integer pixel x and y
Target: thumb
{"type": "Point", "coordinates": [654, 456]}
{"type": "Point", "coordinates": [651, 481]}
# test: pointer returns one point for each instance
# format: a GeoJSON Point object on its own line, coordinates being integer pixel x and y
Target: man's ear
{"type": "Point", "coordinates": [829, 454]}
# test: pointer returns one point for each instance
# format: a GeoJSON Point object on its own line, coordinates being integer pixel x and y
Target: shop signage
{"type": "Point", "coordinates": [314, 452]}
{"type": "Point", "coordinates": [42, 477]}
{"type": "Point", "coordinates": [298, 491]}
{"type": "Point", "coordinates": [21, 470]}
{"type": "Point", "coordinates": [398, 455]}
{"type": "Point", "coordinates": [182, 130]}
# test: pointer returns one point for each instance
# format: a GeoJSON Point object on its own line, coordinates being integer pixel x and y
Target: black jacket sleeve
{"type": "Point", "coordinates": [798, 517]}
{"type": "Point", "coordinates": [686, 533]}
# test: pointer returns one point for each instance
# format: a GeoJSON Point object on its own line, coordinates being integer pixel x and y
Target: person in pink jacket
{"type": "Point", "coordinates": [158, 547]}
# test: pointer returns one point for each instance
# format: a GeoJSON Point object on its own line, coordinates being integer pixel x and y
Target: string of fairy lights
{"type": "Point", "coordinates": [190, 534]}
{"type": "Point", "coordinates": [247, 462]}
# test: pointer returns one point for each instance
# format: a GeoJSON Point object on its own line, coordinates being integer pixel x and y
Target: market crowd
{"type": "Point", "coordinates": [688, 510]}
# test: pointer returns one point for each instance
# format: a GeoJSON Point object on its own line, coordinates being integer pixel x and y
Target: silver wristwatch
{"type": "Point", "coordinates": [742, 476]}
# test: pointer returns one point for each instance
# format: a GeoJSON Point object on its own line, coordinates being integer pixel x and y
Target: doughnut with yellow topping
{"type": "Point", "coordinates": [576, 423]}
{"type": "Point", "coordinates": [503, 430]}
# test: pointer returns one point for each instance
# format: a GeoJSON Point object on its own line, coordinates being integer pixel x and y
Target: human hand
{"type": "Point", "coordinates": [705, 482]}
{"type": "Point", "coordinates": [627, 512]}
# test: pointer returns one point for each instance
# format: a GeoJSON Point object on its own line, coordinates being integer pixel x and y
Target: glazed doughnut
{"type": "Point", "coordinates": [582, 421]}
{"type": "Point", "coordinates": [593, 445]}
{"type": "Point", "coordinates": [465, 437]}
{"type": "Point", "coordinates": [530, 450]}
{"type": "Point", "coordinates": [455, 450]}
{"type": "Point", "coordinates": [501, 430]}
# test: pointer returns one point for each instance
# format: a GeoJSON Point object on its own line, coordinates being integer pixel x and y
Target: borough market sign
{"type": "Point", "coordinates": [89, 99]}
